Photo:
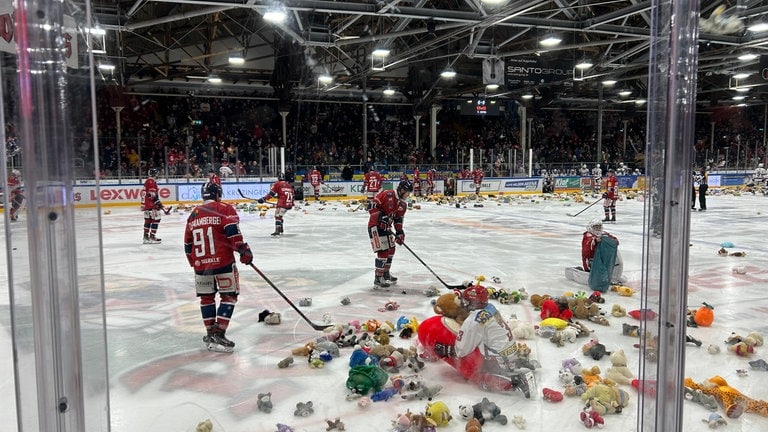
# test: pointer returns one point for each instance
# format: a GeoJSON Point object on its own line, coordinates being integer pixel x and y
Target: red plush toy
{"type": "Point", "coordinates": [550, 308]}
{"type": "Point", "coordinates": [643, 314]}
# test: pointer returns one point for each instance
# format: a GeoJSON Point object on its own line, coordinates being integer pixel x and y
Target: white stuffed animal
{"type": "Point", "coordinates": [521, 329]}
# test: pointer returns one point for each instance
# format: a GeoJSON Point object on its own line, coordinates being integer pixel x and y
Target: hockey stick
{"type": "Point", "coordinates": [274, 287]}
{"type": "Point", "coordinates": [585, 209]}
{"type": "Point", "coordinates": [254, 199]}
{"type": "Point", "coordinates": [461, 286]}
{"type": "Point", "coordinates": [246, 197]}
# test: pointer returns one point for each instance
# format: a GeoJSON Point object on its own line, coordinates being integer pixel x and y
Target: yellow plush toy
{"type": "Point", "coordinates": [439, 413]}
{"type": "Point", "coordinates": [606, 399]}
{"type": "Point", "coordinates": [623, 290]}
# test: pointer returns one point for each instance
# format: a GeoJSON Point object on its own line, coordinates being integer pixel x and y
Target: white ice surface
{"type": "Point", "coordinates": [162, 378]}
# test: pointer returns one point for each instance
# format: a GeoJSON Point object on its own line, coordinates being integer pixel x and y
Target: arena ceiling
{"type": "Point", "coordinates": [158, 45]}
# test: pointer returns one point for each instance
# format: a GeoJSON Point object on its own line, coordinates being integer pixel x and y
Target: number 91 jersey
{"type": "Point", "coordinates": [211, 236]}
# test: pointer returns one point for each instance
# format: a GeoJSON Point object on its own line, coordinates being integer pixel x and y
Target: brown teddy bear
{"type": "Point", "coordinates": [448, 305]}
{"type": "Point", "coordinates": [583, 308]}
{"type": "Point", "coordinates": [537, 299]}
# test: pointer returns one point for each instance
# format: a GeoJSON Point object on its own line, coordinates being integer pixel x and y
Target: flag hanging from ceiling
{"type": "Point", "coordinates": [493, 71]}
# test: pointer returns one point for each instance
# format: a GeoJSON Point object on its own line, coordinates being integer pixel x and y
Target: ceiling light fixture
{"type": "Point", "coordinates": [747, 56]}
{"type": "Point", "coordinates": [741, 75]}
{"type": "Point", "coordinates": [389, 91]}
{"type": "Point", "coordinates": [380, 52]}
{"type": "Point", "coordinates": [492, 87]}
{"type": "Point", "coordinates": [448, 73]}
{"type": "Point", "coordinates": [214, 79]}
{"type": "Point", "coordinates": [758, 27]}
{"type": "Point", "coordinates": [325, 79]}
{"type": "Point", "coordinates": [236, 59]}
{"type": "Point", "coordinates": [584, 64]}
{"type": "Point", "coordinates": [106, 67]}
{"type": "Point", "coordinates": [609, 82]}
{"type": "Point", "coordinates": [739, 98]}
{"type": "Point", "coordinates": [275, 16]}
{"type": "Point", "coordinates": [551, 40]}
{"type": "Point", "coordinates": [526, 96]}
{"type": "Point", "coordinates": [625, 93]}
{"type": "Point", "coordinates": [742, 89]}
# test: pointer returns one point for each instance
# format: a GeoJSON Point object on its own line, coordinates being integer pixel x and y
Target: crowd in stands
{"type": "Point", "coordinates": [188, 135]}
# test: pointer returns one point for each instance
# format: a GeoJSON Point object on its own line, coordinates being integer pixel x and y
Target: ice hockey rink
{"type": "Point", "coordinates": [161, 377]}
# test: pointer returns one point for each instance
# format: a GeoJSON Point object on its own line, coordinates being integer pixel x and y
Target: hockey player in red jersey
{"type": "Point", "coordinates": [372, 182]}
{"type": "Point", "coordinates": [430, 182]}
{"type": "Point", "coordinates": [315, 178]}
{"type": "Point", "coordinates": [416, 182]}
{"type": "Point", "coordinates": [477, 180]}
{"type": "Point", "coordinates": [388, 210]}
{"type": "Point", "coordinates": [15, 194]}
{"type": "Point", "coordinates": [151, 206]}
{"type": "Point", "coordinates": [211, 237]}
{"type": "Point", "coordinates": [481, 348]}
{"type": "Point", "coordinates": [611, 195]}
{"type": "Point", "coordinates": [283, 191]}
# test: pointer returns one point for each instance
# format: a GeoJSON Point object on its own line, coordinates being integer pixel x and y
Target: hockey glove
{"type": "Point", "coordinates": [605, 194]}
{"type": "Point", "coordinates": [383, 223]}
{"type": "Point", "coordinates": [246, 256]}
{"type": "Point", "coordinates": [261, 200]}
{"type": "Point", "coordinates": [400, 237]}
{"type": "Point", "coordinates": [445, 350]}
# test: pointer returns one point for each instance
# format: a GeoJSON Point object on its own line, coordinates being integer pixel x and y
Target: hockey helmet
{"type": "Point", "coordinates": [153, 172]}
{"type": "Point", "coordinates": [405, 185]}
{"type": "Point", "coordinates": [474, 297]}
{"type": "Point", "coordinates": [16, 173]}
{"type": "Point", "coordinates": [760, 165]}
{"type": "Point", "coordinates": [595, 226]}
{"type": "Point", "coordinates": [597, 166]}
{"type": "Point", "coordinates": [211, 190]}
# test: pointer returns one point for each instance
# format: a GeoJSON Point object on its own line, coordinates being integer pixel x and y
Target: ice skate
{"type": "Point", "coordinates": [389, 278]}
{"type": "Point", "coordinates": [613, 219]}
{"type": "Point", "coordinates": [218, 342]}
{"type": "Point", "coordinates": [146, 239]}
{"type": "Point", "coordinates": [380, 283]}
{"type": "Point", "coordinates": [606, 219]}
{"type": "Point", "coordinates": [154, 240]}
{"type": "Point", "coordinates": [276, 234]}
{"type": "Point", "coordinates": [524, 382]}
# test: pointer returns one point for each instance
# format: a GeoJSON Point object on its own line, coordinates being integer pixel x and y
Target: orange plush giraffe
{"type": "Point", "coordinates": [733, 401]}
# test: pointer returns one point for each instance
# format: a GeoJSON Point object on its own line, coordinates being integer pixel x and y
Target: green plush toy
{"type": "Point", "coordinates": [362, 379]}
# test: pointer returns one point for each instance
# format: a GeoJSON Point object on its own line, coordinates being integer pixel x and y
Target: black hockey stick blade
{"type": "Point", "coordinates": [319, 327]}
{"type": "Point", "coordinates": [584, 209]}
{"type": "Point", "coordinates": [460, 286]}
{"type": "Point", "coordinates": [246, 197]}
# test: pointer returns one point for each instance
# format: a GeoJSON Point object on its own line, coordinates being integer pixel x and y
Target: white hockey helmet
{"type": "Point", "coordinates": [760, 165]}
{"type": "Point", "coordinates": [597, 166]}
{"type": "Point", "coordinates": [595, 226]}
{"type": "Point", "coordinates": [16, 173]}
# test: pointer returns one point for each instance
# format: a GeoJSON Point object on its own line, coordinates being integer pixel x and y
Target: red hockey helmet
{"type": "Point", "coordinates": [475, 296]}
